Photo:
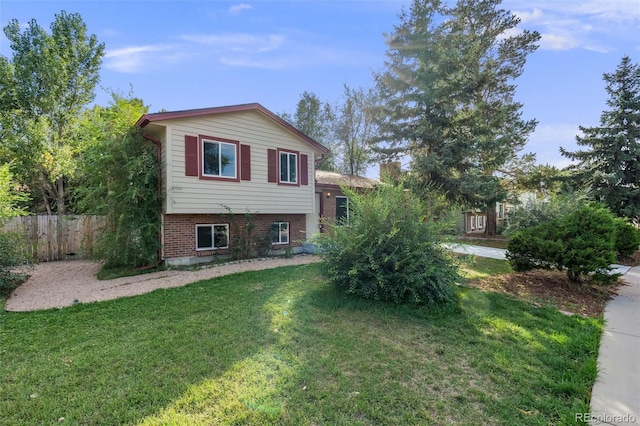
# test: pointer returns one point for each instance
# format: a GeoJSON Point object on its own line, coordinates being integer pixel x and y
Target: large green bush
{"type": "Point", "coordinates": [583, 243]}
{"type": "Point", "coordinates": [388, 251]}
{"type": "Point", "coordinates": [123, 186]}
{"type": "Point", "coordinates": [627, 238]}
{"type": "Point", "coordinates": [119, 180]}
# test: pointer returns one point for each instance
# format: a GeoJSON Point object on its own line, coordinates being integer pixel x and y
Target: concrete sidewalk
{"type": "Point", "coordinates": [490, 252]}
{"type": "Point", "coordinates": [615, 398]}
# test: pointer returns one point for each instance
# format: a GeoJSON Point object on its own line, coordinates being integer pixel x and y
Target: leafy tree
{"type": "Point", "coordinates": [544, 180]}
{"type": "Point", "coordinates": [536, 210]}
{"type": "Point", "coordinates": [120, 181]}
{"type": "Point", "coordinates": [315, 119]}
{"type": "Point", "coordinates": [10, 199]}
{"type": "Point", "coordinates": [389, 252]}
{"type": "Point", "coordinates": [45, 85]}
{"type": "Point", "coordinates": [355, 130]}
{"type": "Point", "coordinates": [448, 97]}
{"type": "Point", "coordinates": [610, 163]}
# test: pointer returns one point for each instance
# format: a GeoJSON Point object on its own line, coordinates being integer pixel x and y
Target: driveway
{"type": "Point", "coordinates": [63, 283]}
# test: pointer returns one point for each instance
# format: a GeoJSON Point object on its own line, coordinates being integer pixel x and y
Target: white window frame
{"type": "Point", "coordinates": [288, 163]}
{"type": "Point", "coordinates": [279, 234]}
{"type": "Point", "coordinates": [347, 198]}
{"type": "Point", "coordinates": [220, 144]}
{"type": "Point", "coordinates": [213, 227]}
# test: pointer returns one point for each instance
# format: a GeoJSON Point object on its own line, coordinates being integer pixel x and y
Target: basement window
{"type": "Point", "coordinates": [212, 237]}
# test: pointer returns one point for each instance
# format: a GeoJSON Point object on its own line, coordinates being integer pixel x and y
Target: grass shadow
{"type": "Point", "coordinates": [117, 362]}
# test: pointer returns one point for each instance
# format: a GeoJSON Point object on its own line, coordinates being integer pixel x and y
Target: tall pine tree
{"type": "Point", "coordinates": [610, 164]}
{"type": "Point", "coordinates": [449, 97]}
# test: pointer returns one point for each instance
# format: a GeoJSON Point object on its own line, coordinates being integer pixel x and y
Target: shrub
{"type": "Point", "coordinates": [582, 242]}
{"type": "Point", "coordinates": [243, 238]}
{"type": "Point", "coordinates": [12, 254]}
{"type": "Point", "coordinates": [121, 183]}
{"type": "Point", "coordinates": [535, 248]}
{"type": "Point", "coordinates": [388, 251]}
{"type": "Point", "coordinates": [627, 238]}
{"type": "Point", "coordinates": [12, 244]}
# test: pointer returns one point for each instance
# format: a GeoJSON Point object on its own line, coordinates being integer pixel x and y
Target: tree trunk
{"type": "Point", "coordinates": [60, 196]}
{"type": "Point", "coordinates": [46, 201]}
{"type": "Point", "coordinates": [491, 227]}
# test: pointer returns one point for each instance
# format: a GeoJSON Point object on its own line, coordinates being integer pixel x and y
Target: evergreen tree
{"type": "Point", "coordinates": [449, 93]}
{"type": "Point", "coordinates": [610, 165]}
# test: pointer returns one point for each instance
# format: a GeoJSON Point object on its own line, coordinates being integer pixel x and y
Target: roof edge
{"type": "Point", "coordinates": [172, 115]}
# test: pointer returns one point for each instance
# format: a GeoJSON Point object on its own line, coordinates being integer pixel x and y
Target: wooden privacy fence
{"type": "Point", "coordinates": [57, 237]}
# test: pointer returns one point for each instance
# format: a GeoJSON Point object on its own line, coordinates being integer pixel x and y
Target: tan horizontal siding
{"type": "Point", "coordinates": [191, 195]}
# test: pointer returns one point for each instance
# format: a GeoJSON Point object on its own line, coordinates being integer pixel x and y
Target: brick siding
{"type": "Point", "coordinates": [180, 231]}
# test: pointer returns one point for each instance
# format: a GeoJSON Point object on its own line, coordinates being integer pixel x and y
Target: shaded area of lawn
{"type": "Point", "coordinates": [283, 347]}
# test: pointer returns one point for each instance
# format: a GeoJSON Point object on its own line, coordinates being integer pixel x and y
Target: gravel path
{"type": "Point", "coordinates": [60, 284]}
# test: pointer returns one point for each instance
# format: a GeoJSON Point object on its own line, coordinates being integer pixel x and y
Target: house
{"type": "Point", "coordinates": [332, 204]}
{"type": "Point", "coordinates": [217, 164]}
{"type": "Point", "coordinates": [475, 220]}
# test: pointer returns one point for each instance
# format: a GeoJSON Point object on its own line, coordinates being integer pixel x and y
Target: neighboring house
{"type": "Point", "coordinates": [240, 159]}
{"type": "Point", "coordinates": [475, 221]}
{"type": "Point", "coordinates": [332, 204]}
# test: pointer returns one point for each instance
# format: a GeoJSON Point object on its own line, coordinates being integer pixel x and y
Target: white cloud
{"type": "Point", "coordinates": [552, 41]}
{"type": "Point", "coordinates": [239, 42]}
{"type": "Point", "coordinates": [234, 10]}
{"type": "Point", "coordinates": [247, 62]}
{"type": "Point", "coordinates": [580, 24]}
{"type": "Point", "coordinates": [240, 50]}
{"type": "Point", "coordinates": [525, 17]}
{"type": "Point", "coordinates": [134, 58]}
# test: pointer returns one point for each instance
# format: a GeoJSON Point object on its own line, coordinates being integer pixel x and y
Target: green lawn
{"type": "Point", "coordinates": [473, 267]}
{"type": "Point", "coordinates": [283, 347]}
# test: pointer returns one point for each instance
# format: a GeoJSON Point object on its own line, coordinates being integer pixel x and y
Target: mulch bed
{"type": "Point", "coordinates": [551, 288]}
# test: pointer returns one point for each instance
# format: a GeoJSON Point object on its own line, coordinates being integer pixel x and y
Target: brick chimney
{"type": "Point", "coordinates": [390, 169]}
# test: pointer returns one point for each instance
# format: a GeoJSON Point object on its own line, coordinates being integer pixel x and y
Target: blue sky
{"type": "Point", "coordinates": [193, 54]}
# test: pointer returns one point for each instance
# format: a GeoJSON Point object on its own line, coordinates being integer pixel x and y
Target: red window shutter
{"type": "Point", "coordinates": [272, 165]}
{"type": "Point", "coordinates": [304, 169]}
{"type": "Point", "coordinates": [245, 162]}
{"type": "Point", "coordinates": [190, 155]}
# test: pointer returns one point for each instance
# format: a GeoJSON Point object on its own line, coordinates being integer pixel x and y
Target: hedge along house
{"type": "Point", "coordinates": [217, 164]}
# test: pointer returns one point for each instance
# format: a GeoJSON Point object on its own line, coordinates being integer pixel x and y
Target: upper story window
{"type": "Point", "coordinates": [288, 167]}
{"type": "Point", "coordinates": [219, 159]}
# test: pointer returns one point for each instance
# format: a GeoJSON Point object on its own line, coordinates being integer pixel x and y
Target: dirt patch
{"type": "Point", "coordinates": [551, 288]}
{"type": "Point", "coordinates": [633, 260]}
